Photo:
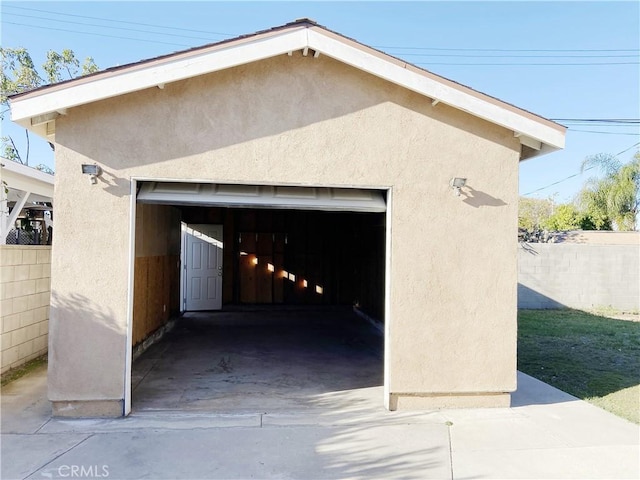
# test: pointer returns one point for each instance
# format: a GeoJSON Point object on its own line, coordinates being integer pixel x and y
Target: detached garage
{"type": "Point", "coordinates": [292, 166]}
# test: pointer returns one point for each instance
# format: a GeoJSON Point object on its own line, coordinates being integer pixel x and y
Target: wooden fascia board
{"type": "Point", "coordinates": [171, 70]}
{"type": "Point", "coordinates": [191, 64]}
{"type": "Point", "coordinates": [403, 75]}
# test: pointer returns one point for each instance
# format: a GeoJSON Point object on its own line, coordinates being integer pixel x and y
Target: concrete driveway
{"type": "Point", "coordinates": [329, 425]}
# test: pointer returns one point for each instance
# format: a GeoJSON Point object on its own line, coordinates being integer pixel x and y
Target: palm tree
{"type": "Point", "coordinates": [615, 197]}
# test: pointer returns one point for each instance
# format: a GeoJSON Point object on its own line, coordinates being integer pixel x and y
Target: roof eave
{"type": "Point", "coordinates": [37, 110]}
{"type": "Point", "coordinates": [22, 177]}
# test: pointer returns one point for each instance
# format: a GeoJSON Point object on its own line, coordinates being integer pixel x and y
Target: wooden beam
{"type": "Point", "coordinates": [530, 142]}
{"type": "Point", "coordinates": [44, 118]}
{"type": "Point", "coordinates": [14, 215]}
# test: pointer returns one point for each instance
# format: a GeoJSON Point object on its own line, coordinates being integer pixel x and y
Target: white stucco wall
{"type": "Point", "coordinates": [303, 121]}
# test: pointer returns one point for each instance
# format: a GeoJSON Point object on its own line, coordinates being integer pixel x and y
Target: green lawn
{"type": "Point", "coordinates": [593, 357]}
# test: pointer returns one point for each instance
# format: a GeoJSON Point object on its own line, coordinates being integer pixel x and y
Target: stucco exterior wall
{"type": "Point", "coordinates": [25, 287]}
{"type": "Point", "coordinates": [303, 121]}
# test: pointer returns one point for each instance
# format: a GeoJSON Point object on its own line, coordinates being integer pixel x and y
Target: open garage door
{"type": "Point", "coordinates": [262, 196]}
{"type": "Point", "coordinates": [296, 262]}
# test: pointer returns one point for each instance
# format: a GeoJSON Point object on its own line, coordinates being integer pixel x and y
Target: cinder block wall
{"type": "Point", "coordinates": [25, 288]}
{"type": "Point", "coordinates": [579, 276]}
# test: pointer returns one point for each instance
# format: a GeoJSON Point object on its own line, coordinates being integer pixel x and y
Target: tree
{"type": "Point", "coordinates": [57, 63]}
{"type": "Point", "coordinates": [564, 217]}
{"type": "Point", "coordinates": [612, 200]}
{"type": "Point", "coordinates": [19, 74]}
{"type": "Point", "coordinates": [533, 213]}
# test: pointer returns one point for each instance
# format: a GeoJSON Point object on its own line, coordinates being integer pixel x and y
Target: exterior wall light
{"type": "Point", "coordinates": [457, 183]}
{"type": "Point", "coordinates": [94, 171]}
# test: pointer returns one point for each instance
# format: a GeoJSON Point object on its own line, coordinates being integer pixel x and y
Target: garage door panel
{"type": "Point", "coordinates": [263, 196]}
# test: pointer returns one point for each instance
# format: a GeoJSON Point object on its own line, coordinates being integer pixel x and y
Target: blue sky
{"type": "Point", "coordinates": [536, 55]}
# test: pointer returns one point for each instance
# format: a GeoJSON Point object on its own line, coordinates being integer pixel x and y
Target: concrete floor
{"type": "Point", "coordinates": [262, 360]}
{"type": "Point", "coordinates": [337, 434]}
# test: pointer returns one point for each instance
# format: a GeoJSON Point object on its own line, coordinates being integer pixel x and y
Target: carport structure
{"type": "Point", "coordinates": [262, 135]}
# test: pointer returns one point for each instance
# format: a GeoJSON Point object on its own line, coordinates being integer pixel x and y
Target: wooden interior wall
{"type": "Point", "coordinates": [269, 254]}
{"type": "Point", "coordinates": [156, 296]}
{"type": "Point", "coordinates": [157, 293]}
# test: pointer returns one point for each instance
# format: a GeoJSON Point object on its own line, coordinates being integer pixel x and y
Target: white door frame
{"type": "Point", "coordinates": [132, 252]}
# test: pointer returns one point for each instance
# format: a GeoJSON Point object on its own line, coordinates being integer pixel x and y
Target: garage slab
{"type": "Point", "coordinates": [264, 360]}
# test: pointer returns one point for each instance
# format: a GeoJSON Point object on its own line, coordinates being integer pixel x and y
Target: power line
{"type": "Point", "coordinates": [510, 49]}
{"type": "Point", "coordinates": [556, 183]}
{"type": "Point", "coordinates": [510, 56]}
{"type": "Point", "coordinates": [108, 26]}
{"type": "Point", "coordinates": [97, 34]}
{"type": "Point", "coordinates": [378, 46]}
{"type": "Point", "coordinates": [122, 21]}
{"type": "Point", "coordinates": [611, 120]}
{"type": "Point", "coordinates": [601, 124]}
{"type": "Point", "coordinates": [189, 45]}
{"type": "Point", "coordinates": [576, 174]}
{"type": "Point", "coordinates": [627, 149]}
{"type": "Point", "coordinates": [573, 64]}
{"type": "Point", "coordinates": [605, 133]}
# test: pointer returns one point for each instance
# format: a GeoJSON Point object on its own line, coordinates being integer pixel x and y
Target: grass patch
{"type": "Point", "coordinates": [592, 357]}
{"type": "Point", "coordinates": [22, 370]}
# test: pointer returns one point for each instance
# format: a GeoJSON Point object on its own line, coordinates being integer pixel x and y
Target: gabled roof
{"type": "Point", "coordinates": [37, 110]}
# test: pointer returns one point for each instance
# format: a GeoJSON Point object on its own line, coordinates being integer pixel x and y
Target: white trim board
{"type": "Point", "coordinates": [263, 196]}
{"type": "Point", "coordinates": [28, 108]}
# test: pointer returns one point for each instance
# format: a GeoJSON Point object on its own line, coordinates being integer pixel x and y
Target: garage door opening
{"type": "Point", "coordinates": [275, 305]}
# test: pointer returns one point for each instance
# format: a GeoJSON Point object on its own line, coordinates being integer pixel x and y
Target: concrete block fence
{"type": "Point", "coordinates": [581, 276]}
{"type": "Point", "coordinates": [25, 288]}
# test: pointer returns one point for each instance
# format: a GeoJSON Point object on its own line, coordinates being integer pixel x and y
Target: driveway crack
{"type": "Point", "coordinates": [61, 454]}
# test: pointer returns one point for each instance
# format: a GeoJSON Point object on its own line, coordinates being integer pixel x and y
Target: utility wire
{"type": "Point", "coordinates": [121, 21]}
{"type": "Point", "coordinates": [611, 120]}
{"type": "Point", "coordinates": [383, 47]}
{"type": "Point", "coordinates": [576, 174]}
{"type": "Point", "coordinates": [510, 49]}
{"type": "Point", "coordinates": [573, 64]}
{"type": "Point", "coordinates": [189, 46]}
{"type": "Point", "coordinates": [605, 133]}
{"type": "Point", "coordinates": [403, 54]}
{"type": "Point", "coordinates": [84, 24]}
{"type": "Point", "coordinates": [627, 149]}
{"type": "Point", "coordinates": [98, 34]}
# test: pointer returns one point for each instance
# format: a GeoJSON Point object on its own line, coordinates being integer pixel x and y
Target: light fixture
{"type": "Point", "coordinates": [457, 183]}
{"type": "Point", "coordinates": [94, 171]}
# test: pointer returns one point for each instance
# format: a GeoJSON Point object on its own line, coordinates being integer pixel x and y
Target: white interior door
{"type": "Point", "coordinates": [203, 276]}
